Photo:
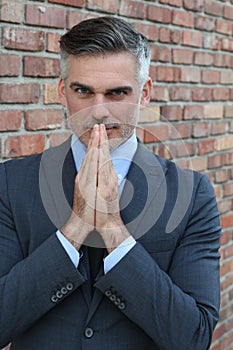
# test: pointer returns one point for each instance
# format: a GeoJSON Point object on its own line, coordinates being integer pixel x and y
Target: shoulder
{"type": "Point", "coordinates": [28, 166]}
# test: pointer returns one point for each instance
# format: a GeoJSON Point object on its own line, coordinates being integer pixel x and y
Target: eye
{"type": "Point", "coordinates": [118, 93]}
{"type": "Point", "coordinates": [82, 91]}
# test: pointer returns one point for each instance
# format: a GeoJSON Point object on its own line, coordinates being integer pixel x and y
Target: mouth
{"type": "Point", "coordinates": [109, 127]}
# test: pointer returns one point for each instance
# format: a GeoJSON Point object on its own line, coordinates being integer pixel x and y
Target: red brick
{"type": "Point", "coordinates": [176, 36]}
{"type": "Point", "coordinates": [227, 44]}
{"type": "Point", "coordinates": [192, 38]}
{"type": "Point", "coordinates": [23, 39]}
{"type": "Point", "coordinates": [206, 146]}
{"type": "Point", "coordinates": [149, 30]}
{"type": "Point", "coordinates": [182, 56]}
{"type": "Point", "coordinates": [75, 3]}
{"type": "Point", "coordinates": [201, 130]}
{"type": "Point", "coordinates": [9, 65]}
{"type": "Point", "coordinates": [45, 16]}
{"type": "Point", "coordinates": [199, 163]}
{"type": "Point", "coordinates": [181, 131]}
{"type": "Point", "coordinates": [159, 14]}
{"type": "Point", "coordinates": [203, 59]}
{"type": "Point", "coordinates": [221, 175]}
{"type": "Point", "coordinates": [228, 112]}
{"type": "Point", "coordinates": [160, 93]}
{"type": "Point", "coordinates": [224, 206]}
{"type": "Point", "coordinates": [183, 18]}
{"type": "Point", "coordinates": [196, 5]}
{"type": "Point", "coordinates": [131, 8]}
{"type": "Point", "coordinates": [216, 161]}
{"type": "Point", "coordinates": [224, 143]}
{"type": "Point", "coordinates": [213, 8]}
{"type": "Point", "coordinates": [224, 27]}
{"type": "Point", "coordinates": [211, 41]}
{"type": "Point", "coordinates": [156, 133]}
{"type": "Point", "coordinates": [226, 77]}
{"type": "Point", "coordinates": [187, 149]}
{"type": "Point", "coordinates": [213, 111]}
{"type": "Point", "coordinates": [149, 115]}
{"type": "Point", "coordinates": [24, 145]}
{"type": "Point", "coordinates": [221, 60]}
{"type": "Point", "coordinates": [19, 93]}
{"type": "Point", "coordinates": [180, 93]}
{"type": "Point", "coordinates": [75, 17]}
{"type": "Point", "coordinates": [160, 53]}
{"type": "Point", "coordinates": [172, 113]}
{"type": "Point", "coordinates": [219, 128]}
{"type": "Point", "coordinates": [193, 112]}
{"type": "Point", "coordinates": [41, 67]}
{"type": "Point", "coordinates": [11, 11]}
{"type": "Point", "coordinates": [53, 42]}
{"type": "Point", "coordinates": [205, 23]}
{"type": "Point", "coordinates": [190, 74]}
{"type": "Point", "coordinates": [220, 94]}
{"type": "Point", "coordinates": [231, 127]}
{"type": "Point", "coordinates": [169, 74]}
{"type": "Point", "coordinates": [177, 3]}
{"type": "Point", "coordinates": [201, 94]}
{"type": "Point", "coordinates": [210, 76]}
{"type": "Point", "coordinates": [40, 119]}
{"type": "Point", "coordinates": [51, 94]}
{"type": "Point", "coordinates": [165, 35]}
{"type": "Point", "coordinates": [228, 12]}
{"type": "Point", "coordinates": [10, 120]}
{"type": "Point", "coordinates": [152, 72]}
{"type": "Point", "coordinates": [228, 189]}
{"type": "Point", "coordinates": [56, 139]}
{"type": "Point", "coordinates": [107, 6]}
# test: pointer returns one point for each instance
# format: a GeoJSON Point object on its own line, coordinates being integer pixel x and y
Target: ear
{"type": "Point", "coordinates": [146, 92]}
{"type": "Point", "coordinates": [61, 91]}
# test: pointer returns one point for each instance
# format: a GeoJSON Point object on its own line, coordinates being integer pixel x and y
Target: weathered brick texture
{"type": "Point", "coordinates": [190, 119]}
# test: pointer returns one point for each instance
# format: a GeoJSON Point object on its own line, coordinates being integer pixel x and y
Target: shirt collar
{"type": "Point", "coordinates": [121, 156]}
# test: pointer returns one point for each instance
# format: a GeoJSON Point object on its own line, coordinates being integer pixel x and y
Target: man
{"type": "Point", "coordinates": [102, 201]}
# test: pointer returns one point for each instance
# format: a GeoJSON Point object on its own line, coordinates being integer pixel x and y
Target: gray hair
{"type": "Point", "coordinates": [106, 35]}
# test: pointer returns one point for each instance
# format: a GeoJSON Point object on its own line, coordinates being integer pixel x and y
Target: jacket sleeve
{"type": "Point", "coordinates": [28, 284]}
{"type": "Point", "coordinates": [178, 308]}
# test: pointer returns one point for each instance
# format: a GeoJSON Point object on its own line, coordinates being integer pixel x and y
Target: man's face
{"type": "Point", "coordinates": [103, 89]}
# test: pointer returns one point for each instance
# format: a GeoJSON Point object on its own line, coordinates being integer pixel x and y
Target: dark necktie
{"type": "Point", "coordinates": [95, 254]}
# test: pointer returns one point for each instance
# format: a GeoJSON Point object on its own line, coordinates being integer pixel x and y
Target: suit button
{"type": "Point", "coordinates": [88, 332]}
{"type": "Point", "coordinates": [69, 286]}
{"type": "Point", "coordinates": [64, 290]}
{"type": "Point", "coordinates": [121, 306]}
{"type": "Point", "coordinates": [59, 294]}
{"type": "Point", "coordinates": [54, 298]}
{"type": "Point", "coordinates": [108, 293]}
{"type": "Point", "coordinates": [117, 301]}
{"type": "Point", "coordinates": [113, 297]}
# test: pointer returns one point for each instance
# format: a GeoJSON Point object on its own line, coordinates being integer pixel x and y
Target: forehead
{"type": "Point", "coordinates": [98, 69]}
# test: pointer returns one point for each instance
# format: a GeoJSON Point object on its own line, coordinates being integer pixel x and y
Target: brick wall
{"type": "Point", "coordinates": [192, 61]}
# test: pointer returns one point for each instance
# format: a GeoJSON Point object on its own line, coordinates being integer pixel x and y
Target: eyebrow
{"type": "Point", "coordinates": [75, 84]}
{"type": "Point", "coordinates": [81, 85]}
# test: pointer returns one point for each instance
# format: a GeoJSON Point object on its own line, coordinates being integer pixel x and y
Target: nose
{"type": "Point", "coordinates": [99, 110]}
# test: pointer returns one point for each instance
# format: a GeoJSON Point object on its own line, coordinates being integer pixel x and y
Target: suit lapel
{"type": "Point", "coordinates": [144, 193]}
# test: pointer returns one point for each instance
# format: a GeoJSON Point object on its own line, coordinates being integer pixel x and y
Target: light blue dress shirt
{"type": "Point", "coordinates": [121, 158]}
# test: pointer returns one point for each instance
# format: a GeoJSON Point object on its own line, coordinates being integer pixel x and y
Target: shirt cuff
{"type": "Point", "coordinates": [69, 248]}
{"type": "Point", "coordinates": [118, 253]}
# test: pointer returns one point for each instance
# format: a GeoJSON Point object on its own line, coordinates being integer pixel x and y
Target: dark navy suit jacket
{"type": "Point", "coordinates": [163, 295]}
